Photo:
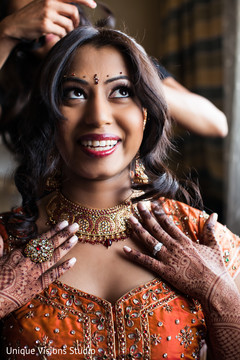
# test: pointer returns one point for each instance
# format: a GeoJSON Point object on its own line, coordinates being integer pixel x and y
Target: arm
{"type": "Point", "coordinates": [197, 270]}
{"type": "Point", "coordinates": [194, 112]}
{"type": "Point", "coordinates": [21, 278]}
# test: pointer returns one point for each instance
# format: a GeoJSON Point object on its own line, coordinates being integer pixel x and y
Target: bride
{"type": "Point", "coordinates": [93, 144]}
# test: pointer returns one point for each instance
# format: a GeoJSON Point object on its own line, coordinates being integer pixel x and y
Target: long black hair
{"type": "Point", "coordinates": [19, 72]}
{"type": "Point", "coordinates": [39, 157]}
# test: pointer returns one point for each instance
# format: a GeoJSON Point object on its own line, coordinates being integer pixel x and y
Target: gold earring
{"type": "Point", "coordinates": [145, 114]}
{"type": "Point", "coordinates": [138, 175]}
{"type": "Point", "coordinates": [53, 181]}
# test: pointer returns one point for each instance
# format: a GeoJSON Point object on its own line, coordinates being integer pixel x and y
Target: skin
{"type": "Point", "coordinates": [32, 19]}
{"type": "Point", "coordinates": [192, 111]}
{"type": "Point", "coordinates": [99, 182]}
{"type": "Point", "coordinates": [196, 270]}
{"type": "Point", "coordinates": [23, 279]}
{"type": "Point", "coordinates": [105, 108]}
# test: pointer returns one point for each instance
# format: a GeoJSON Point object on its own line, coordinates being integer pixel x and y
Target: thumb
{"type": "Point", "coordinates": [208, 233]}
{"type": "Point", "coordinates": [1, 246]}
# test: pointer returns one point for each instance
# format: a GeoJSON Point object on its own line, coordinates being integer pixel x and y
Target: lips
{"type": "Point", "coordinates": [99, 145]}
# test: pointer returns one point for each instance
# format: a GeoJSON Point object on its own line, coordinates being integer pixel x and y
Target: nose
{"type": "Point", "coordinates": [98, 112]}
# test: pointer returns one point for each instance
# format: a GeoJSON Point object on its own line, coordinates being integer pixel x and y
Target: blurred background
{"type": "Point", "coordinates": [198, 41]}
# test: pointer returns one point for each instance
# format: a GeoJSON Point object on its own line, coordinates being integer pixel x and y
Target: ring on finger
{"type": "Point", "coordinates": [157, 248]}
{"type": "Point", "coordinates": [39, 250]}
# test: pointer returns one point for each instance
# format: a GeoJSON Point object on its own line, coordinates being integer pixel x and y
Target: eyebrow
{"type": "Point", "coordinates": [116, 78]}
{"type": "Point", "coordinates": [84, 82]}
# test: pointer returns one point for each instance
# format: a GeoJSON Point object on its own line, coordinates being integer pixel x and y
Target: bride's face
{"type": "Point", "coordinates": [103, 129]}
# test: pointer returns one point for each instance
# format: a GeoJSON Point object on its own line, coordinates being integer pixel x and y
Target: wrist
{"type": "Point", "coordinates": [223, 300]}
{"type": "Point", "coordinates": [7, 35]}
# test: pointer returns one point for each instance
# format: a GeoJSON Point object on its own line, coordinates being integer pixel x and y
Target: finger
{"type": "Point", "coordinates": [89, 3]}
{"type": "Point", "coordinates": [55, 229]}
{"type": "Point", "coordinates": [53, 274]}
{"type": "Point", "coordinates": [59, 253]}
{"type": "Point", "coordinates": [153, 227]}
{"type": "Point", "coordinates": [64, 22]}
{"type": "Point", "coordinates": [1, 246]}
{"type": "Point", "coordinates": [60, 233]}
{"type": "Point", "coordinates": [142, 234]}
{"type": "Point", "coordinates": [55, 29]}
{"type": "Point", "coordinates": [167, 224]}
{"type": "Point", "coordinates": [64, 234]}
{"type": "Point", "coordinates": [143, 259]}
{"type": "Point", "coordinates": [208, 234]}
{"type": "Point", "coordinates": [68, 10]}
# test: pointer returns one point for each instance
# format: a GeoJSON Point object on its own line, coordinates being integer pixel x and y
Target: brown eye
{"type": "Point", "coordinates": [73, 93]}
{"type": "Point", "coordinates": [122, 92]}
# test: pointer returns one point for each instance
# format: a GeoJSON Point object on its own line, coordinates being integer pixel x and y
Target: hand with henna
{"type": "Point", "coordinates": [21, 278]}
{"type": "Point", "coordinates": [195, 269]}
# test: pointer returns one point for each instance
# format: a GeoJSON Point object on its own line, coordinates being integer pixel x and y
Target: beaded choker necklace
{"type": "Point", "coordinates": [96, 226]}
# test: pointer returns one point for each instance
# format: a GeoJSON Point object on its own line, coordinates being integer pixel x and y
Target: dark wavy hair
{"type": "Point", "coordinates": [39, 156]}
{"type": "Point", "coordinates": [20, 70]}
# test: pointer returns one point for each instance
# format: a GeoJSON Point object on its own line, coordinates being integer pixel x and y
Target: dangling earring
{"type": "Point", "coordinates": [53, 181]}
{"type": "Point", "coordinates": [138, 173]}
{"type": "Point", "coordinates": [144, 118]}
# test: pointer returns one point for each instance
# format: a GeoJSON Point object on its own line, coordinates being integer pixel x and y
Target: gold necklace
{"type": "Point", "coordinates": [96, 226]}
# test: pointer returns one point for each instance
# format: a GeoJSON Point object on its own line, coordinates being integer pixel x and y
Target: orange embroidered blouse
{"type": "Point", "coordinates": [152, 321]}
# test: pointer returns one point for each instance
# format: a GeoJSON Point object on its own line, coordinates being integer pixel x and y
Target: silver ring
{"type": "Point", "coordinates": [157, 248]}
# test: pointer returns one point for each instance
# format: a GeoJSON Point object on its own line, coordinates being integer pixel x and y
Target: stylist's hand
{"type": "Point", "coordinates": [192, 268]}
{"type": "Point", "coordinates": [21, 279]}
{"type": "Point", "coordinates": [42, 17]}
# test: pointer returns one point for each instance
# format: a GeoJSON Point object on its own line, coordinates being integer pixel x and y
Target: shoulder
{"type": "Point", "coordinates": [191, 221]}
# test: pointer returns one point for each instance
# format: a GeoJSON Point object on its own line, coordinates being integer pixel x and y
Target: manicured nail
{"type": "Point", "coordinates": [62, 224]}
{"type": "Point", "coordinates": [94, 4]}
{"type": "Point", "coordinates": [142, 206]}
{"type": "Point", "coordinates": [73, 239]}
{"type": "Point", "coordinates": [215, 216]}
{"type": "Point", "coordinates": [72, 261]}
{"type": "Point", "coordinates": [74, 227]}
{"type": "Point", "coordinates": [127, 249]}
{"type": "Point", "coordinates": [133, 220]}
{"type": "Point", "coordinates": [157, 209]}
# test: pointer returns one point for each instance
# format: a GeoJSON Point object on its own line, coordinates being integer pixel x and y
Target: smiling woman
{"type": "Point", "coordinates": [98, 111]}
{"type": "Point", "coordinates": [100, 135]}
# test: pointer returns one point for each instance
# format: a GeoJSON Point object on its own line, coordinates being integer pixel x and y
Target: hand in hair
{"type": "Point", "coordinates": [195, 269]}
{"type": "Point", "coordinates": [21, 279]}
{"type": "Point", "coordinates": [41, 17]}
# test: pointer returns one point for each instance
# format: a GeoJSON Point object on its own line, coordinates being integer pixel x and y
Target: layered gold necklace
{"type": "Point", "coordinates": [96, 226]}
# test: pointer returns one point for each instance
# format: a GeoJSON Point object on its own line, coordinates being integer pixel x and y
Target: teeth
{"type": "Point", "coordinates": [99, 145]}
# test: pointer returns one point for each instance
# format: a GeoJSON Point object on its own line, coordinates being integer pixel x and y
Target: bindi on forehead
{"type": "Point", "coordinates": [96, 79]}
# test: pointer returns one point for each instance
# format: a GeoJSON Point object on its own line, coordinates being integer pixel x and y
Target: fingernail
{"type": "Point", "coordinates": [73, 239]}
{"type": "Point", "coordinates": [74, 227]}
{"type": "Point", "coordinates": [142, 206]}
{"type": "Point", "coordinates": [215, 216]}
{"type": "Point", "coordinates": [94, 4]}
{"type": "Point", "coordinates": [127, 249]}
{"type": "Point", "coordinates": [72, 261]}
{"type": "Point", "coordinates": [62, 224]}
{"type": "Point", "coordinates": [157, 209]}
{"type": "Point", "coordinates": [133, 220]}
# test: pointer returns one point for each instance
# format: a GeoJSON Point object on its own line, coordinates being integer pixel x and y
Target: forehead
{"type": "Point", "coordinates": [106, 60]}
{"type": "Point", "coordinates": [15, 5]}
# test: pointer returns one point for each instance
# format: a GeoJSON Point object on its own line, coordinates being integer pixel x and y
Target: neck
{"type": "Point", "coordinates": [98, 194]}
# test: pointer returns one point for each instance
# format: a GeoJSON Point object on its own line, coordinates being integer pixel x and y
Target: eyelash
{"type": "Point", "coordinates": [68, 90]}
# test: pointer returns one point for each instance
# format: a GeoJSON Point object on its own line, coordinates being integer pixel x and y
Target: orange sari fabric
{"type": "Point", "coordinates": [152, 321]}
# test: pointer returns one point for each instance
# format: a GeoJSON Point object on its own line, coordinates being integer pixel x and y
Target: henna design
{"type": "Point", "coordinates": [197, 270]}
{"type": "Point", "coordinates": [21, 279]}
